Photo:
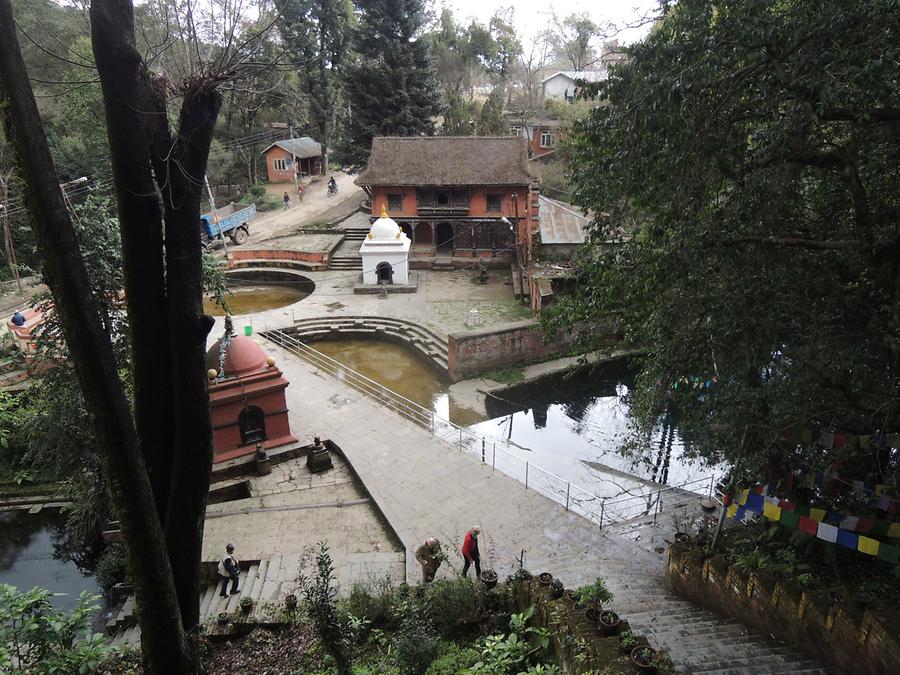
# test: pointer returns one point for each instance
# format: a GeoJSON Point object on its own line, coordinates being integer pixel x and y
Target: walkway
{"type": "Point", "coordinates": [425, 487]}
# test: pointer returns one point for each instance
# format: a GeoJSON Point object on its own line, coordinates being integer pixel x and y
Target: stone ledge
{"type": "Point", "coordinates": [854, 640]}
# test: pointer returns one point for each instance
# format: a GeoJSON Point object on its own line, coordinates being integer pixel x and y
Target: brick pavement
{"type": "Point", "coordinates": [426, 487]}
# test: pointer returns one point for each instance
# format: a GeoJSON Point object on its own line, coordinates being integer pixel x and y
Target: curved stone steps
{"type": "Point", "coordinates": [423, 341]}
{"type": "Point", "coordinates": [266, 264]}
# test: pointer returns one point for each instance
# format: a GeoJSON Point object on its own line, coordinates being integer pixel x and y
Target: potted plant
{"type": "Point", "coordinates": [246, 604]}
{"type": "Point", "coordinates": [644, 659]}
{"type": "Point", "coordinates": [544, 578]}
{"type": "Point", "coordinates": [222, 619]}
{"type": "Point", "coordinates": [290, 601]}
{"type": "Point", "coordinates": [627, 641]}
{"type": "Point", "coordinates": [488, 578]}
{"type": "Point", "coordinates": [556, 589]}
{"type": "Point", "coordinates": [682, 537]}
{"type": "Point", "coordinates": [597, 594]}
{"type": "Point", "coordinates": [608, 622]}
{"type": "Point", "coordinates": [592, 614]}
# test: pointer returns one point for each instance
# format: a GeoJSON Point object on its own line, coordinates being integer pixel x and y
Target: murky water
{"type": "Point", "coordinates": [570, 425]}
{"type": "Point", "coordinates": [256, 298]}
{"type": "Point", "coordinates": [28, 558]}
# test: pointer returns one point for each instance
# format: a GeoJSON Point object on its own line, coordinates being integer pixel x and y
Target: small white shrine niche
{"type": "Point", "coordinates": [385, 253]}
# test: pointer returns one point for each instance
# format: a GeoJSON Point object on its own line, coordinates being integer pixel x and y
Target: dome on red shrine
{"type": "Point", "coordinates": [242, 357]}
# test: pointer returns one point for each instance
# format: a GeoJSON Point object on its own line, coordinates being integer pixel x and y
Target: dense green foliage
{"type": "Point", "coordinates": [743, 179]}
{"type": "Point", "coordinates": [34, 637]}
{"type": "Point", "coordinates": [390, 86]}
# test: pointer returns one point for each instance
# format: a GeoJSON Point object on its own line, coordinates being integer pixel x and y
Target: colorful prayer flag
{"type": "Point", "coordinates": [867, 545]}
{"type": "Point", "coordinates": [864, 525]}
{"type": "Point", "coordinates": [848, 539]}
{"type": "Point", "coordinates": [849, 523]}
{"type": "Point", "coordinates": [817, 514]}
{"type": "Point", "coordinates": [888, 553]}
{"type": "Point", "coordinates": [827, 533]}
{"type": "Point", "coordinates": [732, 509]}
{"type": "Point", "coordinates": [789, 519]}
{"type": "Point", "coordinates": [772, 511]}
{"type": "Point", "coordinates": [808, 525]}
{"type": "Point", "coordinates": [894, 531]}
{"type": "Point", "coordinates": [755, 503]}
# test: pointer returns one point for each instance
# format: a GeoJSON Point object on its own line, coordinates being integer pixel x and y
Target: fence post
{"type": "Point", "coordinates": [460, 438]}
{"type": "Point", "coordinates": [711, 478]}
{"type": "Point", "coordinates": [526, 475]}
{"type": "Point", "coordinates": [568, 488]}
{"type": "Point", "coordinates": [293, 320]}
{"type": "Point", "coordinates": [482, 451]}
{"type": "Point", "coordinates": [494, 458]}
{"type": "Point", "coordinates": [602, 509]}
{"type": "Point", "coordinates": [432, 424]}
{"type": "Point", "coordinates": [656, 512]}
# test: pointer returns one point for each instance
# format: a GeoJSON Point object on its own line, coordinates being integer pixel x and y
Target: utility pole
{"type": "Point", "coordinates": [293, 159]}
{"type": "Point", "coordinates": [734, 477]}
{"type": "Point", "coordinates": [215, 214]}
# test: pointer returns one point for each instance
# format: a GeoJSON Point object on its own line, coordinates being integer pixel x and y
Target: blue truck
{"type": "Point", "coordinates": [234, 222]}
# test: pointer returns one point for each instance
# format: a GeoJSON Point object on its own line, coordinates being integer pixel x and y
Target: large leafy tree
{"type": "Point", "coordinates": [318, 32]}
{"type": "Point", "coordinates": [745, 159]}
{"type": "Point", "coordinates": [391, 86]}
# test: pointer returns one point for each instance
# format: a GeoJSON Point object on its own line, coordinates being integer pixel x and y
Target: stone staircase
{"type": "Point", "coordinates": [697, 640]}
{"type": "Point", "coordinates": [427, 343]}
{"type": "Point", "coordinates": [345, 262]}
{"type": "Point", "coordinates": [355, 233]}
{"type": "Point", "coordinates": [262, 582]}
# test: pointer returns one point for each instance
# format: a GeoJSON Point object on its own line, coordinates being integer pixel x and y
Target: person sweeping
{"type": "Point", "coordinates": [430, 556]}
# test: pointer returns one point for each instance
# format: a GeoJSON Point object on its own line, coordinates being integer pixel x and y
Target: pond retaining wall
{"type": "Point", "coordinates": [864, 640]}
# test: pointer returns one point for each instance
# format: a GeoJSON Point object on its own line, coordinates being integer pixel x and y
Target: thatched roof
{"type": "Point", "coordinates": [447, 160]}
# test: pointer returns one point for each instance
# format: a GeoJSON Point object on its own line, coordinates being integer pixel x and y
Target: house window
{"type": "Point", "coordinates": [252, 423]}
{"type": "Point", "coordinates": [493, 202]}
{"type": "Point", "coordinates": [517, 131]}
{"type": "Point", "coordinates": [395, 203]}
{"type": "Point", "coordinates": [279, 165]}
{"type": "Point", "coordinates": [548, 139]}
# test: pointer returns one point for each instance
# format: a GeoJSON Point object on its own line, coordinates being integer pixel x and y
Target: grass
{"type": "Point", "coordinates": [506, 375]}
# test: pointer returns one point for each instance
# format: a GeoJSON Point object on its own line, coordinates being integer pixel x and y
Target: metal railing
{"type": "Point", "coordinates": [599, 510]}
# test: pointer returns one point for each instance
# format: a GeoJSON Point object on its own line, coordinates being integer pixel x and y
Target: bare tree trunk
{"type": "Point", "coordinates": [125, 82]}
{"type": "Point", "coordinates": [166, 649]}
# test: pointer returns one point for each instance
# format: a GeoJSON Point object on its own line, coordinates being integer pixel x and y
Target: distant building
{"type": "Point", "coordinates": [280, 158]}
{"type": "Point", "coordinates": [542, 133]}
{"type": "Point", "coordinates": [561, 230]}
{"type": "Point", "coordinates": [561, 86]}
{"type": "Point", "coordinates": [454, 196]}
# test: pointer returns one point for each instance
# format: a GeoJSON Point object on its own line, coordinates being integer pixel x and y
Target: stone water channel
{"type": "Point", "coordinates": [571, 424]}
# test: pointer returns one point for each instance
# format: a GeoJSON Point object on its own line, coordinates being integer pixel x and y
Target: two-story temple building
{"type": "Point", "coordinates": [455, 196]}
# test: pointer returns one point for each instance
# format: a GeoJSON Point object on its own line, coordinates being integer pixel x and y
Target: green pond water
{"type": "Point", "coordinates": [256, 298]}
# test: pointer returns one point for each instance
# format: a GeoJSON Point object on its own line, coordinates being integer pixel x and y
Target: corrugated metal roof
{"type": "Point", "coordinates": [302, 147]}
{"type": "Point", "coordinates": [560, 223]}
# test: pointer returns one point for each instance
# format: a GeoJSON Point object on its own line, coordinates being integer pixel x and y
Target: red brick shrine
{"type": "Point", "coordinates": [246, 400]}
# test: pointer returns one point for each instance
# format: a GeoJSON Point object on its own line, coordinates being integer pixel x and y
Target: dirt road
{"type": "Point", "coordinates": [316, 203]}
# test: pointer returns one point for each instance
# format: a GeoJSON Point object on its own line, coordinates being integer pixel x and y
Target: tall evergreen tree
{"type": "Point", "coordinates": [317, 32]}
{"type": "Point", "coordinates": [391, 88]}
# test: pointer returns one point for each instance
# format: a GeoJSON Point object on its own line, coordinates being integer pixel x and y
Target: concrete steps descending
{"type": "Point", "coordinates": [355, 233]}
{"type": "Point", "coordinates": [424, 341]}
{"type": "Point", "coordinates": [345, 262]}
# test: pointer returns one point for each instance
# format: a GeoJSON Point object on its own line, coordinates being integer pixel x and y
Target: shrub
{"type": "Point", "coordinates": [451, 604]}
{"type": "Point", "coordinates": [333, 629]}
{"type": "Point", "coordinates": [257, 191]}
{"type": "Point", "coordinates": [112, 567]}
{"type": "Point", "coordinates": [372, 601]}
{"type": "Point", "coordinates": [35, 637]}
{"type": "Point", "coordinates": [417, 643]}
{"type": "Point", "coordinates": [754, 561]}
{"type": "Point", "coordinates": [595, 594]}
{"type": "Point", "coordinates": [453, 659]}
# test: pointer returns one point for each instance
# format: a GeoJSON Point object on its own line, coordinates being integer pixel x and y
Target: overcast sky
{"type": "Point", "coordinates": [531, 15]}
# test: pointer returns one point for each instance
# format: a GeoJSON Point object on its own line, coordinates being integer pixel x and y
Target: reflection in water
{"type": "Point", "coordinates": [564, 423]}
{"type": "Point", "coordinates": [29, 557]}
{"type": "Point", "coordinates": [256, 298]}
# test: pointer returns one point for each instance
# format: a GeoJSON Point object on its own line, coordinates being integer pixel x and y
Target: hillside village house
{"type": "Point", "coordinates": [561, 85]}
{"type": "Point", "coordinates": [542, 133]}
{"type": "Point", "coordinates": [455, 197]}
{"type": "Point", "coordinates": [281, 156]}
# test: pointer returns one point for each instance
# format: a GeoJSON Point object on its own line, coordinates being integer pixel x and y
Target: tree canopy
{"type": "Point", "coordinates": [391, 87]}
{"type": "Point", "coordinates": [743, 178]}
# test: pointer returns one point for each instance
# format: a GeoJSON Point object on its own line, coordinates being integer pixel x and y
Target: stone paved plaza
{"type": "Point", "coordinates": [426, 487]}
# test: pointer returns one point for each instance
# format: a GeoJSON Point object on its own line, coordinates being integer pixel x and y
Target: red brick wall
{"type": "Point", "coordinates": [477, 201]}
{"type": "Point", "coordinates": [277, 254]}
{"type": "Point", "coordinates": [477, 351]}
{"type": "Point", "coordinates": [279, 176]}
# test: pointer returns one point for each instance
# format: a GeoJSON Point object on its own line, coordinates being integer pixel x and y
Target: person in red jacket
{"type": "Point", "coordinates": [470, 551]}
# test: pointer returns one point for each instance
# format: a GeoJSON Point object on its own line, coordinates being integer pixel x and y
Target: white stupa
{"type": "Point", "coordinates": [385, 253]}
